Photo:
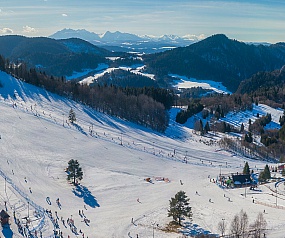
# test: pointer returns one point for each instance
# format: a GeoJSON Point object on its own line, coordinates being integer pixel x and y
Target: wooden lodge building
{"type": "Point", "coordinates": [241, 179]}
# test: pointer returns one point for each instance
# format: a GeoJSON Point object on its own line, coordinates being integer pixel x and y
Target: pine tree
{"type": "Point", "coordinates": [207, 127]}
{"type": "Point", "coordinates": [281, 133]}
{"type": "Point", "coordinates": [246, 169]}
{"type": "Point", "coordinates": [201, 127]}
{"type": "Point", "coordinates": [74, 171]}
{"type": "Point", "coordinates": [250, 139]}
{"type": "Point", "coordinates": [72, 116]}
{"type": "Point", "coordinates": [224, 127]}
{"type": "Point", "coordinates": [265, 174]}
{"type": "Point", "coordinates": [242, 128]}
{"type": "Point", "coordinates": [2, 63]}
{"type": "Point", "coordinates": [179, 207]}
{"type": "Point", "coordinates": [283, 172]}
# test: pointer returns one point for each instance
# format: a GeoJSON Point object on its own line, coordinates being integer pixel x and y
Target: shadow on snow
{"type": "Point", "coordinates": [190, 229]}
{"type": "Point", "coordinates": [88, 198]}
{"type": "Point", "coordinates": [7, 232]}
{"type": "Point", "coordinates": [79, 128]}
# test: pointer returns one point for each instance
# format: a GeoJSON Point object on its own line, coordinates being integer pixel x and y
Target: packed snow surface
{"type": "Point", "coordinates": [114, 198]}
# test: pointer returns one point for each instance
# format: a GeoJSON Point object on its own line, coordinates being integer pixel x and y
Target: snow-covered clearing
{"type": "Point", "coordinates": [136, 69]}
{"type": "Point", "coordinates": [184, 82]}
{"type": "Point", "coordinates": [37, 143]}
{"type": "Point", "coordinates": [76, 75]}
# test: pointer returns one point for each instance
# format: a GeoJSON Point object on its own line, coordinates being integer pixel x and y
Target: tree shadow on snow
{"type": "Point", "coordinates": [190, 229]}
{"type": "Point", "coordinates": [7, 232]}
{"type": "Point", "coordinates": [80, 129]}
{"type": "Point", "coordinates": [88, 198]}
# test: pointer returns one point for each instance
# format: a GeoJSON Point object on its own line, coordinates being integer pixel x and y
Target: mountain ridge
{"type": "Point", "coordinates": [56, 57]}
{"type": "Point", "coordinates": [218, 58]}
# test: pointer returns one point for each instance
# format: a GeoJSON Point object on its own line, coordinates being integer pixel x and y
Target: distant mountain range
{"type": "Point", "coordinates": [217, 58]}
{"type": "Point", "coordinates": [127, 42]}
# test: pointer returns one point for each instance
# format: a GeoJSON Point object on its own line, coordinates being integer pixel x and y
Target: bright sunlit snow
{"type": "Point", "coordinates": [37, 143]}
{"type": "Point", "coordinates": [136, 69]}
{"type": "Point", "coordinates": [86, 71]}
{"type": "Point", "coordinates": [184, 82]}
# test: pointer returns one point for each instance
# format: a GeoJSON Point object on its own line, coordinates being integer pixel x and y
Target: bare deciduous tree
{"type": "Point", "coordinates": [259, 226]}
{"type": "Point", "coordinates": [235, 228]}
{"type": "Point", "coordinates": [243, 223]}
{"type": "Point", "coordinates": [222, 227]}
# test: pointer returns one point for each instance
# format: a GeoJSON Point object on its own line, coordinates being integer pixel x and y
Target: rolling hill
{"type": "Point", "coordinates": [218, 58]}
{"type": "Point", "coordinates": [55, 57]}
{"type": "Point", "coordinates": [116, 156]}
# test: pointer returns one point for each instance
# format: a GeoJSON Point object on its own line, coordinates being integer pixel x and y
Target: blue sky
{"type": "Point", "coordinates": [245, 20]}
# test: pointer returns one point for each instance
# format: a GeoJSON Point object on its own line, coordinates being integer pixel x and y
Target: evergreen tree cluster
{"type": "Point", "coordinates": [123, 78]}
{"type": "Point", "coordinates": [195, 92]}
{"type": "Point", "coordinates": [265, 174]}
{"type": "Point", "coordinates": [248, 137]}
{"type": "Point", "coordinates": [132, 105]}
{"type": "Point", "coordinates": [282, 119]}
{"type": "Point", "coordinates": [259, 124]}
{"type": "Point", "coordinates": [221, 104]}
{"type": "Point", "coordinates": [281, 133]}
{"type": "Point", "coordinates": [266, 87]}
{"type": "Point", "coordinates": [164, 96]}
{"type": "Point", "coordinates": [268, 140]}
{"type": "Point", "coordinates": [194, 107]}
{"type": "Point", "coordinates": [198, 126]}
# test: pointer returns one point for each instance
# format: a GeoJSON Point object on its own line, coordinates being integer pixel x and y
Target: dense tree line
{"type": "Point", "coordinates": [195, 92]}
{"type": "Point", "coordinates": [215, 104]}
{"type": "Point", "coordinates": [266, 87]}
{"type": "Point", "coordinates": [135, 84]}
{"type": "Point", "coordinates": [194, 107]}
{"type": "Point", "coordinates": [274, 152]}
{"type": "Point", "coordinates": [123, 78]}
{"type": "Point", "coordinates": [258, 126]}
{"type": "Point", "coordinates": [221, 104]}
{"type": "Point", "coordinates": [140, 108]}
{"type": "Point", "coordinates": [126, 59]}
{"type": "Point", "coordinates": [164, 96]}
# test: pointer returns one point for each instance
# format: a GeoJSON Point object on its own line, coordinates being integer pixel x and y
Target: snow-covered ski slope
{"type": "Point", "coordinates": [37, 143]}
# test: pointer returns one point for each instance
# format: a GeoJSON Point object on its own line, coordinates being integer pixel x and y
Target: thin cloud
{"type": "Point", "coordinates": [6, 30]}
{"type": "Point", "coordinates": [64, 15]}
{"type": "Point", "coordinates": [28, 29]}
{"type": "Point", "coordinates": [195, 37]}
